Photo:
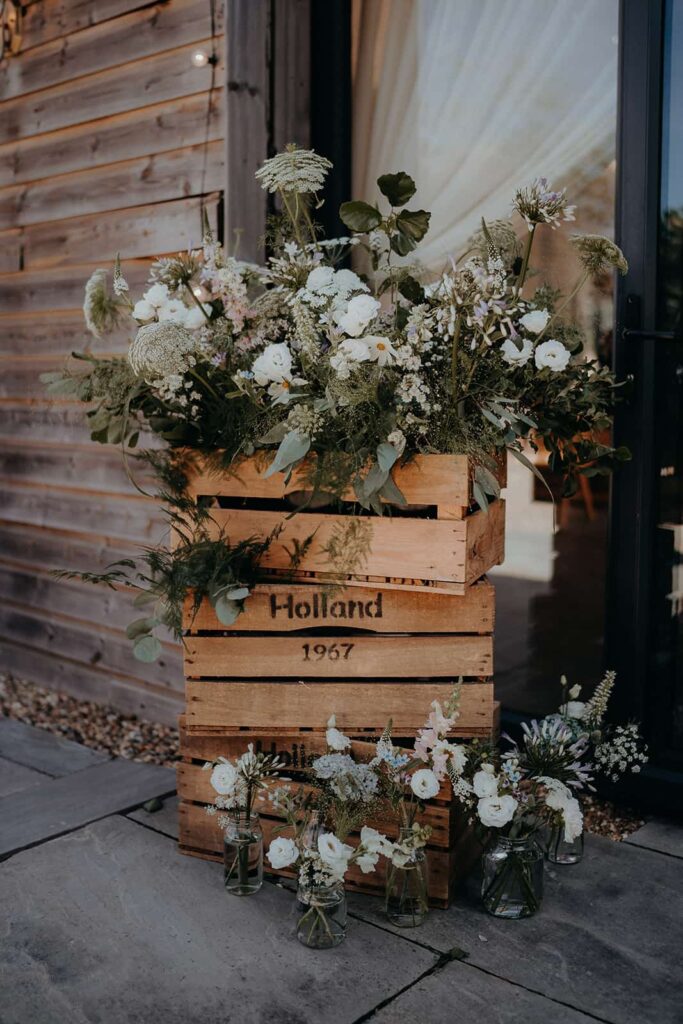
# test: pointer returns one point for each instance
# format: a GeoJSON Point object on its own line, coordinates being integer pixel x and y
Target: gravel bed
{"type": "Point", "coordinates": [104, 728]}
{"type": "Point", "coordinates": [93, 725]}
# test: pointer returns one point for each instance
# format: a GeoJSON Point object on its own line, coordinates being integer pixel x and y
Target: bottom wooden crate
{"type": "Point", "coordinates": [451, 852]}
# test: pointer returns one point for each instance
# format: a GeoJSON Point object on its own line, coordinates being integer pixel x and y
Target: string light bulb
{"type": "Point", "coordinates": [199, 58]}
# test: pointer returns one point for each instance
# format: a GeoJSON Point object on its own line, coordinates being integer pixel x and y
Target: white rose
{"type": "Point", "coordinates": [552, 354]}
{"type": "Point", "coordinates": [332, 851]}
{"type": "Point", "coordinates": [360, 310]}
{"type": "Point", "coordinates": [282, 852]}
{"type": "Point", "coordinates": [574, 709]}
{"type": "Point", "coordinates": [485, 784]}
{"type": "Point", "coordinates": [158, 294]}
{"type": "Point", "coordinates": [380, 350]}
{"type": "Point", "coordinates": [274, 364]}
{"type": "Point", "coordinates": [424, 784]}
{"type": "Point", "coordinates": [515, 356]}
{"type": "Point", "coordinates": [174, 310]}
{"type": "Point", "coordinates": [535, 321]}
{"type": "Point", "coordinates": [224, 778]}
{"type": "Point", "coordinates": [144, 310]}
{"type": "Point", "coordinates": [496, 811]}
{"type": "Point", "coordinates": [335, 739]}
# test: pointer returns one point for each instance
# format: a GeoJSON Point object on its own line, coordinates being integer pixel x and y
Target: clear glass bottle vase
{"type": "Point", "coordinates": [243, 853]}
{"type": "Point", "coordinates": [559, 851]}
{"type": "Point", "coordinates": [512, 885]}
{"type": "Point", "coordinates": [321, 915]}
{"type": "Point", "coordinates": [406, 890]}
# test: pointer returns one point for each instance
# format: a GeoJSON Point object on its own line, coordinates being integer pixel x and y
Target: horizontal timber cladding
{"type": "Point", "coordinates": [217, 707]}
{"type": "Point", "coordinates": [354, 656]}
{"type": "Point", "coordinates": [284, 608]}
{"type": "Point", "coordinates": [109, 142]}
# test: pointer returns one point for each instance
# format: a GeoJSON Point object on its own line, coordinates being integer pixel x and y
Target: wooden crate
{"type": "Point", "coordinates": [293, 676]}
{"type": "Point", "coordinates": [436, 542]}
{"type": "Point", "coordinates": [452, 847]}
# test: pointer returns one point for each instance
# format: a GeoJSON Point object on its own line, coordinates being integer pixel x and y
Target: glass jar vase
{"type": "Point", "coordinates": [406, 899]}
{"type": "Point", "coordinates": [243, 852]}
{"type": "Point", "coordinates": [512, 886]}
{"type": "Point", "coordinates": [321, 915]}
{"type": "Point", "coordinates": [559, 851]}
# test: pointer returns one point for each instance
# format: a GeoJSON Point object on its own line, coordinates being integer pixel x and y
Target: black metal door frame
{"type": "Point", "coordinates": [630, 574]}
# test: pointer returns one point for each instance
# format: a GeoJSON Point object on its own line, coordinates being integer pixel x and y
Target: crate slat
{"type": "Point", "coordinates": [283, 608]}
{"type": "Point", "coordinates": [215, 706]}
{"type": "Point", "coordinates": [338, 657]}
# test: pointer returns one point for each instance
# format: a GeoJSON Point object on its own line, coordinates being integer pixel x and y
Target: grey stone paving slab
{"type": "Point", "coordinates": [14, 777]}
{"type": "Point", "coordinates": [663, 836]}
{"type": "Point", "coordinates": [463, 994]}
{"type": "Point", "coordinates": [607, 939]}
{"type": "Point", "coordinates": [111, 925]}
{"type": "Point", "coordinates": [63, 804]}
{"type": "Point", "coordinates": [164, 820]}
{"type": "Point", "coordinates": [44, 751]}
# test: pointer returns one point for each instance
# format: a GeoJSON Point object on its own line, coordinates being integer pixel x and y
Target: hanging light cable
{"type": "Point", "coordinates": [200, 59]}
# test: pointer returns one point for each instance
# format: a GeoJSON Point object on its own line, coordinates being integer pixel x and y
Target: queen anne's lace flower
{"type": "Point", "coordinates": [161, 350]}
{"type": "Point", "coordinates": [295, 170]}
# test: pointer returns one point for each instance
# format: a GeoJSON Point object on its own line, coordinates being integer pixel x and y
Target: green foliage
{"type": "Point", "coordinates": [398, 188]}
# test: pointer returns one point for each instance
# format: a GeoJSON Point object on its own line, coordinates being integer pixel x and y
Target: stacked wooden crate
{"type": "Point", "coordinates": [367, 647]}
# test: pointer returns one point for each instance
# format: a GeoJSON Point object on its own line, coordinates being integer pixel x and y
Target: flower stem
{"type": "Point", "coordinates": [525, 261]}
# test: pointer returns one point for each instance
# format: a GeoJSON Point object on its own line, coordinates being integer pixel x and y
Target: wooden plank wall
{"type": "Point", "coordinates": [103, 120]}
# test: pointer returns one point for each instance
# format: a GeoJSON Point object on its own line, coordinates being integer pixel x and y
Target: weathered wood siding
{"type": "Point", "coordinates": [103, 120]}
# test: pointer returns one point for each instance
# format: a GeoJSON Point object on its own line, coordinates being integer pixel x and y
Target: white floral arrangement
{"type": "Point", "coordinates": [239, 783]}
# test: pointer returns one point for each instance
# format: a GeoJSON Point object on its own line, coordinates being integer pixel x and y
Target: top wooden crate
{"type": "Point", "coordinates": [435, 541]}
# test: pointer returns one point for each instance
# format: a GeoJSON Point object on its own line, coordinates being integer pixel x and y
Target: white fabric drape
{"type": "Point", "coordinates": [476, 97]}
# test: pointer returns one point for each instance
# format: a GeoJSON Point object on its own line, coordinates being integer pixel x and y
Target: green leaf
{"type": "Point", "coordinates": [292, 448]}
{"type": "Point", "coordinates": [147, 648]}
{"type": "Point", "coordinates": [275, 434]}
{"type": "Point", "coordinates": [386, 455]}
{"type": "Point", "coordinates": [411, 289]}
{"type": "Point", "coordinates": [521, 457]}
{"type": "Point", "coordinates": [227, 611]}
{"type": "Point", "coordinates": [238, 594]}
{"type": "Point", "coordinates": [140, 627]}
{"type": "Point", "coordinates": [391, 493]}
{"type": "Point", "coordinates": [398, 188]}
{"type": "Point", "coordinates": [487, 481]}
{"type": "Point", "coordinates": [480, 497]}
{"type": "Point", "coordinates": [359, 216]}
{"type": "Point", "coordinates": [412, 226]}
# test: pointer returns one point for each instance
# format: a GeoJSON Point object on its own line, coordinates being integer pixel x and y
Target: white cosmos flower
{"type": "Point", "coordinates": [485, 784]}
{"type": "Point", "coordinates": [224, 778]}
{"type": "Point", "coordinates": [282, 852]}
{"type": "Point", "coordinates": [367, 862]}
{"type": "Point", "coordinates": [332, 851]}
{"type": "Point", "coordinates": [360, 310]}
{"type": "Point", "coordinates": [374, 842]}
{"type": "Point", "coordinates": [496, 811]}
{"type": "Point", "coordinates": [335, 739]}
{"type": "Point", "coordinates": [424, 784]}
{"type": "Point", "coordinates": [552, 354]}
{"type": "Point", "coordinates": [280, 390]}
{"type": "Point", "coordinates": [380, 349]}
{"type": "Point", "coordinates": [515, 356]}
{"type": "Point", "coordinates": [274, 364]}
{"type": "Point", "coordinates": [535, 321]}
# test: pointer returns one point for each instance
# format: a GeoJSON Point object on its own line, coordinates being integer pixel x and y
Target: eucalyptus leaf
{"type": "Point", "coordinates": [487, 481]}
{"type": "Point", "coordinates": [147, 648]}
{"type": "Point", "coordinates": [292, 448]}
{"type": "Point", "coordinates": [386, 455]}
{"type": "Point", "coordinates": [480, 496]}
{"type": "Point", "coordinates": [359, 216]}
{"type": "Point", "coordinates": [227, 611]}
{"type": "Point", "coordinates": [140, 627]}
{"type": "Point", "coordinates": [143, 598]}
{"type": "Point", "coordinates": [391, 493]}
{"type": "Point", "coordinates": [275, 434]}
{"type": "Point", "coordinates": [398, 188]}
{"type": "Point", "coordinates": [238, 594]}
